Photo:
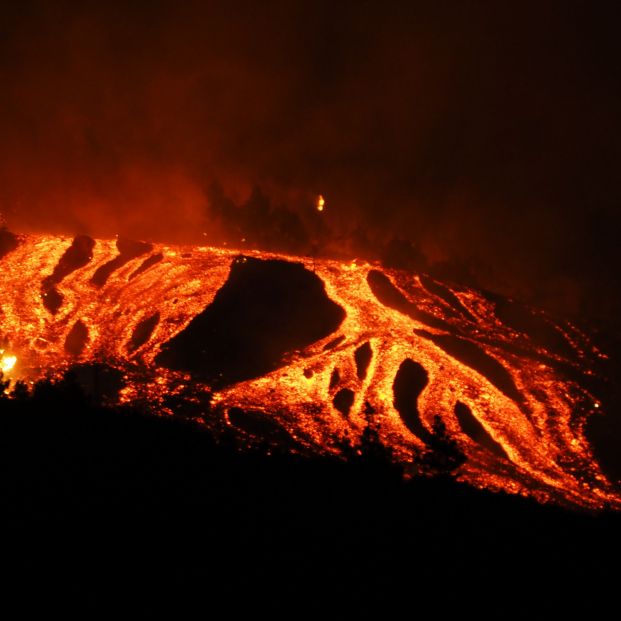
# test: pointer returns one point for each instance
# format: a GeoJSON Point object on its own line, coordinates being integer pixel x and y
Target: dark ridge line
{"type": "Point", "coordinates": [410, 381]}
{"type": "Point", "coordinates": [473, 428]}
{"type": "Point", "coordinates": [389, 295]}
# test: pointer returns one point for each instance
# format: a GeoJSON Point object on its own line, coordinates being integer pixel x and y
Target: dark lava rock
{"type": "Point", "coordinates": [76, 339]}
{"type": "Point", "coordinates": [265, 309]}
{"type": "Point", "coordinates": [146, 264]}
{"type": "Point", "coordinates": [76, 256]}
{"type": "Point", "coordinates": [343, 400]}
{"type": "Point", "coordinates": [476, 358]}
{"type": "Point", "coordinates": [132, 248]}
{"type": "Point", "coordinates": [52, 299]}
{"type": "Point", "coordinates": [444, 293]}
{"type": "Point", "coordinates": [471, 426]}
{"type": "Point", "coordinates": [389, 295]}
{"type": "Point", "coordinates": [334, 343]}
{"type": "Point", "coordinates": [335, 379]}
{"type": "Point", "coordinates": [142, 332]}
{"type": "Point", "coordinates": [128, 250]}
{"type": "Point", "coordinates": [362, 357]}
{"type": "Point", "coordinates": [409, 383]}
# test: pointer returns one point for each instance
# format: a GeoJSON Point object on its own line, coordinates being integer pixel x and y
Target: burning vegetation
{"type": "Point", "coordinates": [315, 354]}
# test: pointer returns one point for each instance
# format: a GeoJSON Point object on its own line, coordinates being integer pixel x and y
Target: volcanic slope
{"type": "Point", "coordinates": [312, 351]}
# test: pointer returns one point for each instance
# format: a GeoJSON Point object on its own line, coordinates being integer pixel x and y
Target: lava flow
{"type": "Point", "coordinates": [309, 351]}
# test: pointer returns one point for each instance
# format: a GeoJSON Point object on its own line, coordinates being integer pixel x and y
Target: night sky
{"type": "Point", "coordinates": [487, 133]}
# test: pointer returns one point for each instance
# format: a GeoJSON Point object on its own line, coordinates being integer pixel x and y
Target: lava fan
{"type": "Point", "coordinates": [309, 352]}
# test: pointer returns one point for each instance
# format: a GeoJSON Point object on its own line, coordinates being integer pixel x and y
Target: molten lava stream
{"type": "Point", "coordinates": [336, 346]}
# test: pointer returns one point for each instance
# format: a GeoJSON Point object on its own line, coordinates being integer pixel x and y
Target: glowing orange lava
{"type": "Point", "coordinates": [7, 362]}
{"type": "Point", "coordinates": [478, 371]}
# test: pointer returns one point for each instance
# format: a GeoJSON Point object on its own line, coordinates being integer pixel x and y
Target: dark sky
{"type": "Point", "coordinates": [486, 132]}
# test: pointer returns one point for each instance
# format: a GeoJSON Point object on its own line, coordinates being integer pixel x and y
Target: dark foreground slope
{"type": "Point", "coordinates": [114, 509]}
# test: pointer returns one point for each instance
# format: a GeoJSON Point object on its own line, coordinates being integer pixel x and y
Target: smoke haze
{"type": "Point", "coordinates": [487, 134]}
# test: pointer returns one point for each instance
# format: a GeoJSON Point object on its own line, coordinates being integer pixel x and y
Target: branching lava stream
{"type": "Point", "coordinates": [314, 348]}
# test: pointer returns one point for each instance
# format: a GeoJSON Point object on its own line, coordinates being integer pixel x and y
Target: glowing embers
{"type": "Point", "coordinates": [7, 362]}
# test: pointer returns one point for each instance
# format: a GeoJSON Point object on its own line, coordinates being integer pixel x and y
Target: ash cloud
{"type": "Point", "coordinates": [486, 137]}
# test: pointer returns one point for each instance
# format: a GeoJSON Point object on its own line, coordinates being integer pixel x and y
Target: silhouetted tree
{"type": "Point", "coordinates": [288, 231]}
{"type": "Point", "coordinates": [403, 254]}
{"type": "Point", "coordinates": [369, 452]}
{"type": "Point", "coordinates": [255, 218]}
{"type": "Point", "coordinates": [20, 391]}
{"type": "Point", "coordinates": [4, 385]}
{"type": "Point", "coordinates": [443, 455]}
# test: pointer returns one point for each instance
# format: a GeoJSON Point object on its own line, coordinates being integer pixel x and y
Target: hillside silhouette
{"type": "Point", "coordinates": [117, 507]}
